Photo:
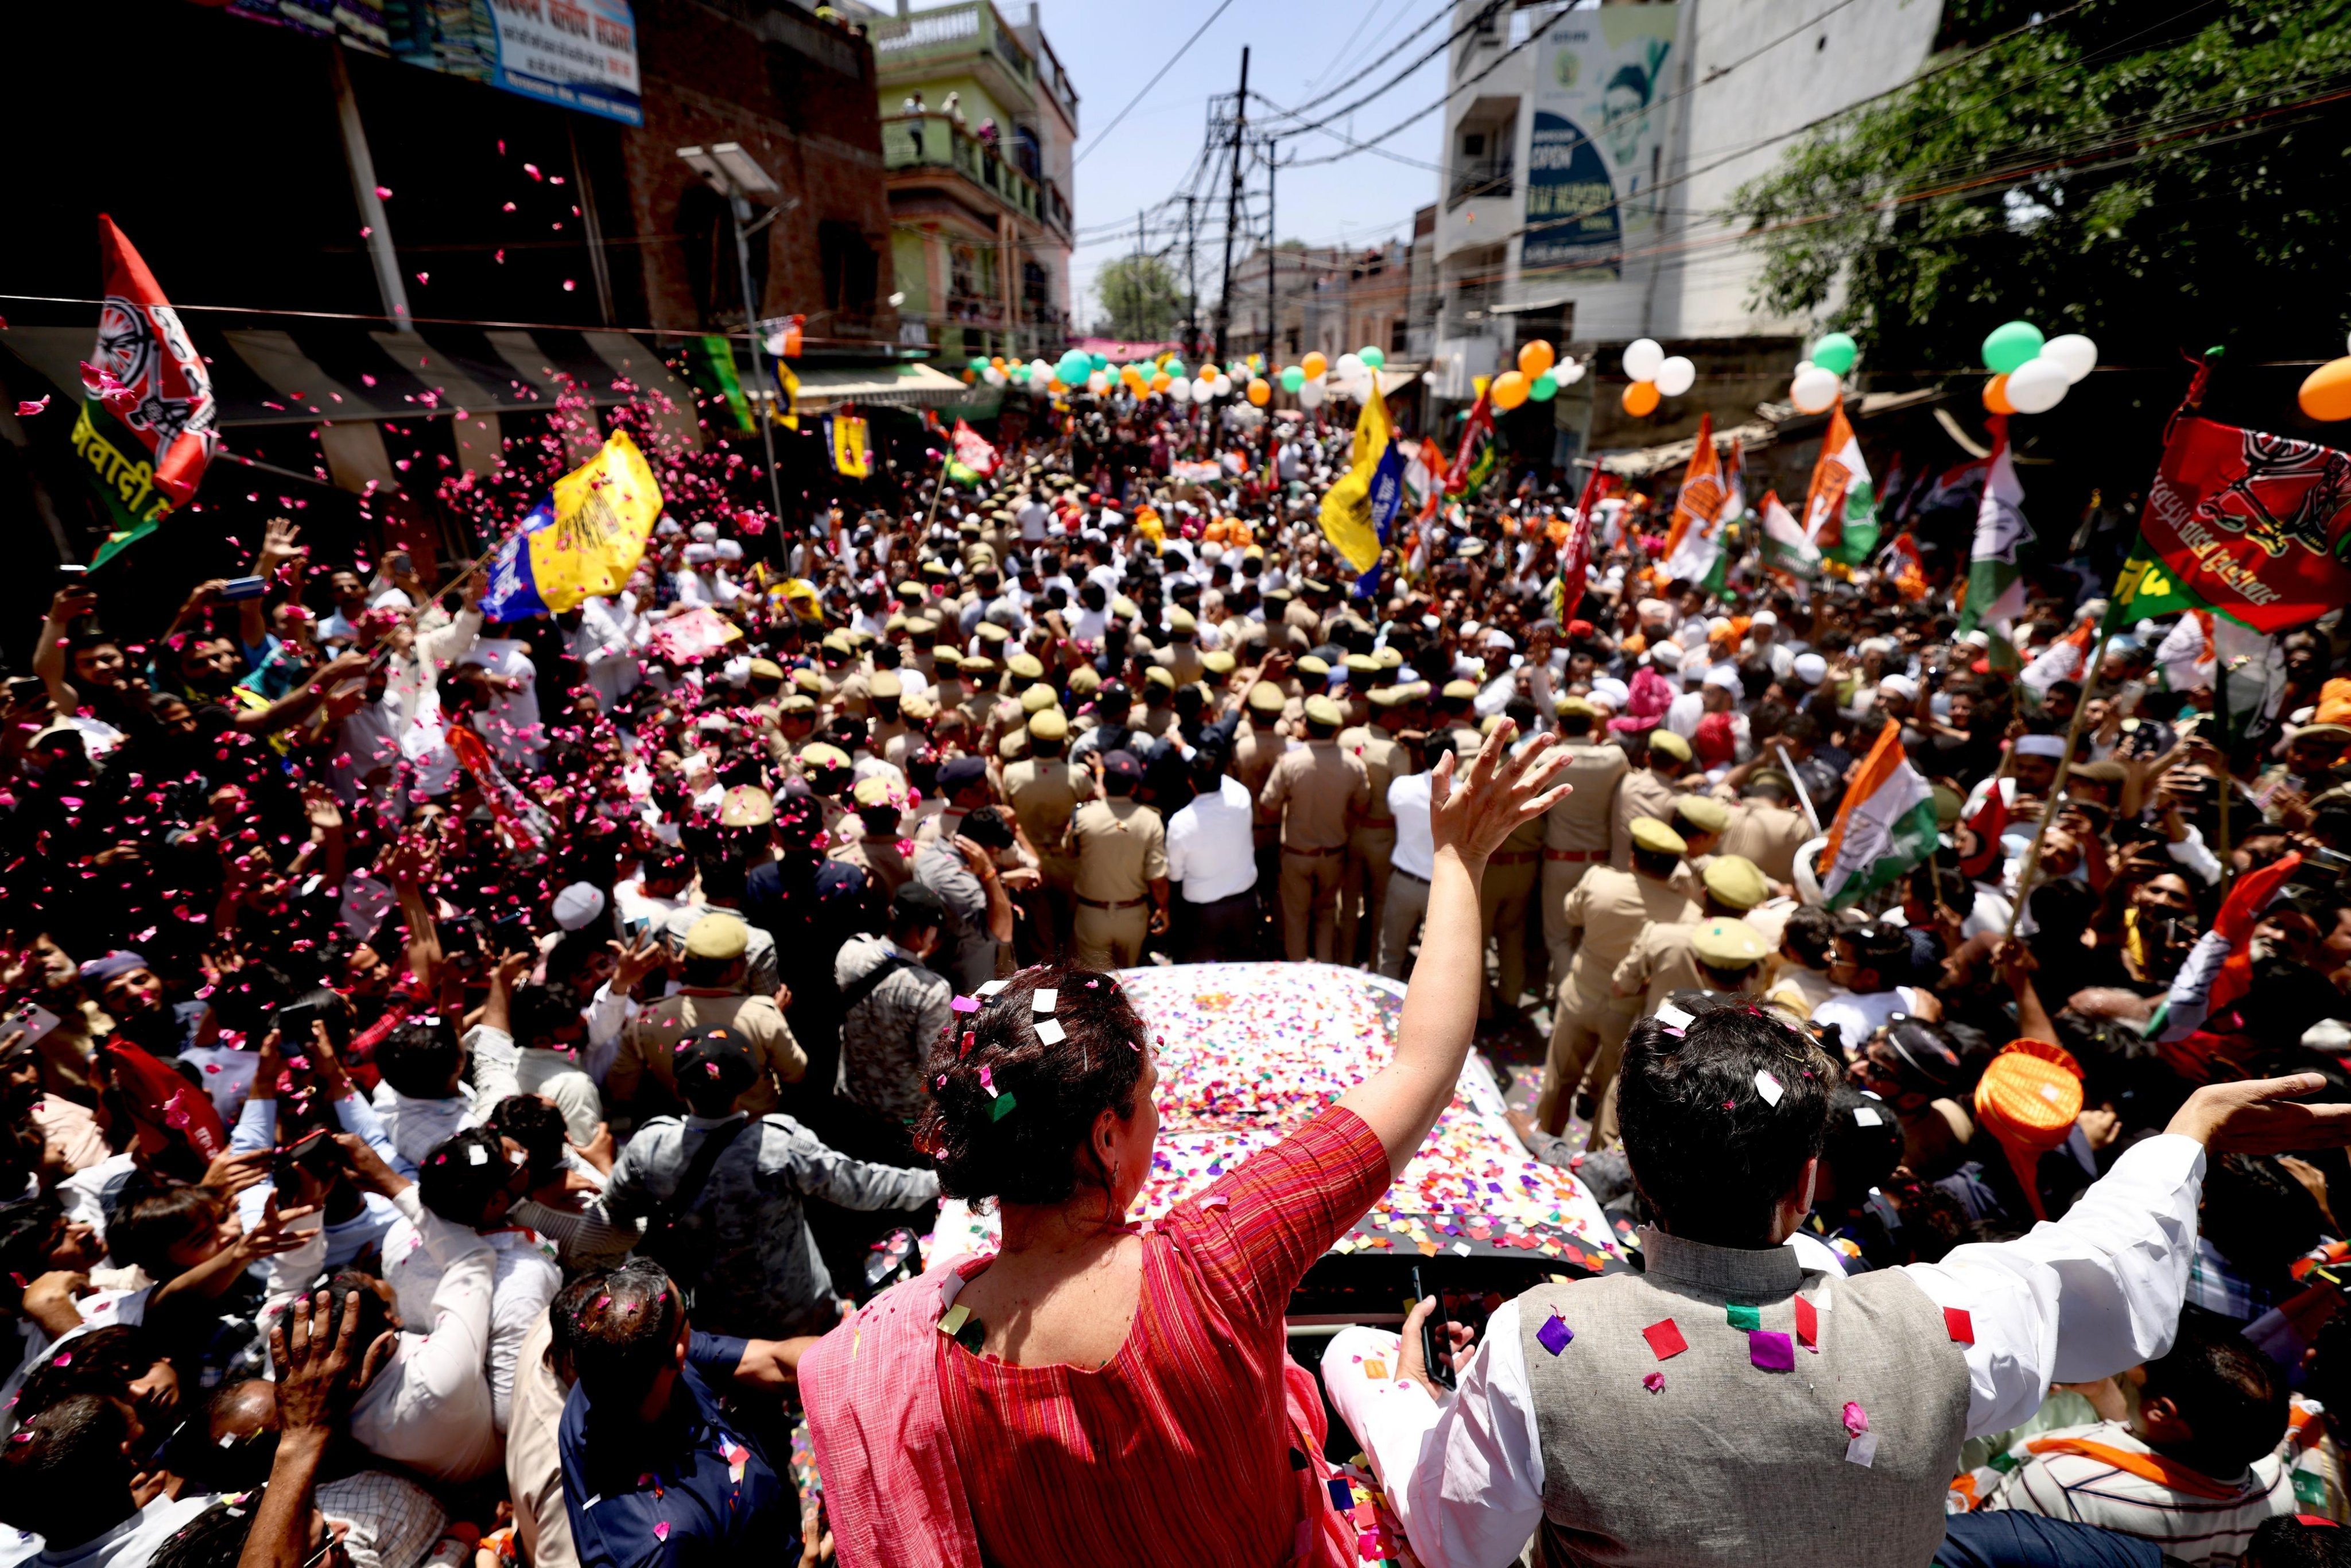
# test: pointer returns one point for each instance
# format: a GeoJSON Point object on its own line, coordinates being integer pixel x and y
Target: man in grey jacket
{"type": "Point", "coordinates": [732, 1225]}
{"type": "Point", "coordinates": [892, 1008]}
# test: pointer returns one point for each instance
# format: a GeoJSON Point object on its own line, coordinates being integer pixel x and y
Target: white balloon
{"type": "Point", "coordinates": [1039, 370]}
{"type": "Point", "coordinates": [2074, 354]}
{"type": "Point", "coordinates": [1179, 391]}
{"type": "Point", "coordinates": [1224, 384]}
{"type": "Point", "coordinates": [1312, 392]}
{"type": "Point", "coordinates": [1567, 372]}
{"type": "Point", "coordinates": [1203, 390]}
{"type": "Point", "coordinates": [1098, 382]}
{"type": "Point", "coordinates": [1642, 358]}
{"type": "Point", "coordinates": [1676, 376]}
{"type": "Point", "coordinates": [2038, 385]}
{"type": "Point", "coordinates": [1814, 391]}
{"type": "Point", "coordinates": [992, 376]}
{"type": "Point", "coordinates": [1801, 366]}
{"type": "Point", "coordinates": [1345, 366]}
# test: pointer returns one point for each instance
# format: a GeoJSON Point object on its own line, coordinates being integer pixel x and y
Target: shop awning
{"type": "Point", "coordinates": [904, 386]}
{"type": "Point", "coordinates": [1779, 422]}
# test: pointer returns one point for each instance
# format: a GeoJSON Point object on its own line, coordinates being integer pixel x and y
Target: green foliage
{"type": "Point", "coordinates": [2157, 174]}
{"type": "Point", "coordinates": [1144, 296]}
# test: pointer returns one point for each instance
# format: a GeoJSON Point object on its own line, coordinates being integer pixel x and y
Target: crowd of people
{"type": "Point", "coordinates": [467, 1075]}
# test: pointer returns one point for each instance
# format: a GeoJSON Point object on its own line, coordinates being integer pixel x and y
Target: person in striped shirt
{"type": "Point", "coordinates": [2196, 1468]}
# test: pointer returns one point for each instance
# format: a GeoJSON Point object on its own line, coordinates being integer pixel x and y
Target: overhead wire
{"type": "Point", "coordinates": [1103, 134]}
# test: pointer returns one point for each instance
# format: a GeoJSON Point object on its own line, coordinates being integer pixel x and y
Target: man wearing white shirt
{"type": "Point", "coordinates": [1414, 862]}
{"type": "Point", "coordinates": [1729, 1405]}
{"type": "Point", "coordinates": [509, 720]}
{"type": "Point", "coordinates": [1212, 852]}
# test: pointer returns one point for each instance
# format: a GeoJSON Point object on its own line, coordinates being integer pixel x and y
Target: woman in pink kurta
{"type": "Point", "coordinates": [1102, 1393]}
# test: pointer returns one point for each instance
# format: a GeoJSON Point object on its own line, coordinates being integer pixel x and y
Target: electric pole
{"type": "Point", "coordinates": [1232, 206]}
{"type": "Point", "coordinates": [1191, 286]}
{"type": "Point", "coordinates": [1135, 273]}
{"type": "Point", "coordinates": [1272, 256]}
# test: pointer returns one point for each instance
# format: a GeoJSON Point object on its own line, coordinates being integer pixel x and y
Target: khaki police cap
{"type": "Point", "coordinates": [1727, 944]}
{"type": "Point", "coordinates": [1666, 742]}
{"type": "Point", "coordinates": [1037, 698]}
{"type": "Point", "coordinates": [838, 643]}
{"type": "Point", "coordinates": [1648, 833]}
{"type": "Point", "coordinates": [1704, 813]}
{"type": "Point", "coordinates": [1160, 675]}
{"type": "Point", "coordinates": [1085, 680]}
{"type": "Point", "coordinates": [1313, 664]}
{"type": "Point", "coordinates": [1321, 710]}
{"type": "Point", "coordinates": [949, 661]}
{"type": "Point", "coordinates": [1569, 706]}
{"type": "Point", "coordinates": [797, 703]}
{"type": "Point", "coordinates": [918, 706]}
{"type": "Point", "coordinates": [1049, 724]}
{"type": "Point", "coordinates": [1735, 880]}
{"type": "Point", "coordinates": [721, 938]}
{"type": "Point", "coordinates": [745, 806]}
{"type": "Point", "coordinates": [1265, 697]}
{"type": "Point", "coordinates": [872, 790]}
{"type": "Point", "coordinates": [1391, 697]}
{"type": "Point", "coordinates": [897, 622]}
{"type": "Point", "coordinates": [910, 589]}
{"type": "Point", "coordinates": [808, 680]}
{"type": "Point", "coordinates": [1390, 658]}
{"type": "Point", "coordinates": [921, 626]}
{"type": "Point", "coordinates": [990, 633]}
{"type": "Point", "coordinates": [1362, 664]}
{"type": "Point", "coordinates": [1182, 620]}
{"type": "Point", "coordinates": [1025, 665]}
{"type": "Point", "coordinates": [1459, 691]}
{"type": "Point", "coordinates": [823, 756]}
{"type": "Point", "coordinates": [765, 670]}
{"type": "Point", "coordinates": [1217, 662]}
{"type": "Point", "coordinates": [885, 683]}
{"type": "Point", "coordinates": [1123, 608]}
{"type": "Point", "coordinates": [979, 666]}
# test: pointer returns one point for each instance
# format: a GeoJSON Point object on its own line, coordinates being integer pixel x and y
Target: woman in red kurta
{"type": "Point", "coordinates": [1100, 1393]}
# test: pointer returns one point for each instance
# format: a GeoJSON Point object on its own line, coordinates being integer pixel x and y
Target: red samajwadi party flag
{"type": "Point", "coordinates": [2254, 526]}
{"type": "Point", "coordinates": [147, 423]}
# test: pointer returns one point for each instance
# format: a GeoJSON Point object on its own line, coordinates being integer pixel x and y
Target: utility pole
{"type": "Point", "coordinates": [1272, 257]}
{"type": "Point", "coordinates": [1191, 286]}
{"type": "Point", "coordinates": [1232, 206]}
{"type": "Point", "coordinates": [1135, 273]}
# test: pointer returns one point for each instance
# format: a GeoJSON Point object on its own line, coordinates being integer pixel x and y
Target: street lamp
{"type": "Point", "coordinates": [735, 175]}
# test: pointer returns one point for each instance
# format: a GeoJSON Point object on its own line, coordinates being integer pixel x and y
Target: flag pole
{"type": "Point", "coordinates": [2057, 786]}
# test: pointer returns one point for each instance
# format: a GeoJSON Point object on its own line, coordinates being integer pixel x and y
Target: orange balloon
{"type": "Point", "coordinates": [1535, 359]}
{"type": "Point", "coordinates": [1641, 399]}
{"type": "Point", "coordinates": [1313, 364]}
{"type": "Point", "coordinates": [1995, 396]}
{"type": "Point", "coordinates": [970, 375]}
{"type": "Point", "coordinates": [1261, 391]}
{"type": "Point", "coordinates": [1509, 390]}
{"type": "Point", "coordinates": [1160, 382]}
{"type": "Point", "coordinates": [2326, 394]}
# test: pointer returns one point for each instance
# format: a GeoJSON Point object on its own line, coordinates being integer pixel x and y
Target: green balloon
{"type": "Point", "coordinates": [1072, 368]}
{"type": "Point", "coordinates": [1292, 378]}
{"type": "Point", "coordinates": [1097, 361]}
{"type": "Point", "coordinates": [1835, 353]}
{"type": "Point", "coordinates": [2010, 344]}
{"type": "Point", "coordinates": [1372, 355]}
{"type": "Point", "coordinates": [1544, 388]}
{"type": "Point", "coordinates": [1176, 369]}
{"type": "Point", "coordinates": [977, 363]}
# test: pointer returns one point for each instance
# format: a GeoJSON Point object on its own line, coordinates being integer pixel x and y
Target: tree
{"type": "Point", "coordinates": [1142, 296]}
{"type": "Point", "coordinates": [2159, 173]}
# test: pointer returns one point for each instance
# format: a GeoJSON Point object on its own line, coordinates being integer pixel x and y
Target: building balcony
{"type": "Point", "coordinates": [1478, 177]}
{"type": "Point", "coordinates": [914, 143]}
{"type": "Point", "coordinates": [948, 40]}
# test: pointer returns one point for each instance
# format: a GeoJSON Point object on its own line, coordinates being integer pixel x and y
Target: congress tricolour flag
{"type": "Point", "coordinates": [1709, 499]}
{"type": "Point", "coordinates": [1785, 548]}
{"type": "Point", "coordinates": [1885, 826]}
{"type": "Point", "coordinates": [1995, 582]}
{"type": "Point", "coordinates": [973, 450]}
{"type": "Point", "coordinates": [1841, 510]}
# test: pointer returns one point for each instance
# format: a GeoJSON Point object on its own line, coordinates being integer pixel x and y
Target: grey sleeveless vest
{"type": "Point", "coordinates": [1724, 1462]}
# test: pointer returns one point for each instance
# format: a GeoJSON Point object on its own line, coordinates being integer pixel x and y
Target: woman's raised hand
{"type": "Point", "coordinates": [1471, 811]}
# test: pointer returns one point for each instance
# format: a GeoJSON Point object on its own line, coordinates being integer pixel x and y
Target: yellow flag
{"type": "Point", "coordinates": [583, 542]}
{"type": "Point", "coordinates": [1358, 509]}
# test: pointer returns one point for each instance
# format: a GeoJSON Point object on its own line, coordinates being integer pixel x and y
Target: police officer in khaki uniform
{"type": "Point", "coordinates": [1605, 915]}
{"type": "Point", "coordinates": [1765, 829]}
{"type": "Point", "coordinates": [1046, 789]}
{"type": "Point", "coordinates": [1257, 745]}
{"type": "Point", "coordinates": [1700, 819]}
{"type": "Point", "coordinates": [1717, 952]}
{"type": "Point", "coordinates": [978, 675]}
{"type": "Point", "coordinates": [1158, 715]}
{"type": "Point", "coordinates": [1312, 792]}
{"type": "Point", "coordinates": [1371, 838]}
{"type": "Point", "coordinates": [1512, 873]}
{"type": "Point", "coordinates": [1310, 677]}
{"type": "Point", "coordinates": [1121, 848]}
{"type": "Point", "coordinates": [874, 846]}
{"type": "Point", "coordinates": [795, 729]}
{"type": "Point", "coordinates": [1647, 791]}
{"type": "Point", "coordinates": [1180, 655]}
{"type": "Point", "coordinates": [1576, 830]}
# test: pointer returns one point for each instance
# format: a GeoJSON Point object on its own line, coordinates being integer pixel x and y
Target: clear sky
{"type": "Point", "coordinates": [1300, 50]}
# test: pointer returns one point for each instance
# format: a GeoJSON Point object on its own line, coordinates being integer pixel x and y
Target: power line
{"type": "Point", "coordinates": [1484, 13]}
{"type": "Point", "coordinates": [1332, 63]}
{"type": "Point", "coordinates": [1103, 135]}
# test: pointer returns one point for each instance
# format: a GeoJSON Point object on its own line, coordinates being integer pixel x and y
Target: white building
{"type": "Point", "coordinates": [1588, 152]}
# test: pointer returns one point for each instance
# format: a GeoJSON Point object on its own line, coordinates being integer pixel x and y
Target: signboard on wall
{"type": "Point", "coordinates": [580, 54]}
{"type": "Point", "coordinates": [1596, 144]}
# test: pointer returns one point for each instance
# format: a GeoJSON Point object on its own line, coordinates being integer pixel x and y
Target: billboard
{"type": "Point", "coordinates": [580, 54]}
{"type": "Point", "coordinates": [1596, 144]}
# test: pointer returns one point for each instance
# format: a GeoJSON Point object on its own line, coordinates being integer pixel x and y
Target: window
{"type": "Point", "coordinates": [850, 267]}
{"type": "Point", "coordinates": [1474, 144]}
{"type": "Point", "coordinates": [1292, 335]}
{"type": "Point", "coordinates": [1396, 335]}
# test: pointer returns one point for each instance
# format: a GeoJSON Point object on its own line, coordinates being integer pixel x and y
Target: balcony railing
{"type": "Point", "coordinates": [1479, 177]}
{"type": "Point", "coordinates": [934, 141]}
{"type": "Point", "coordinates": [948, 33]}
